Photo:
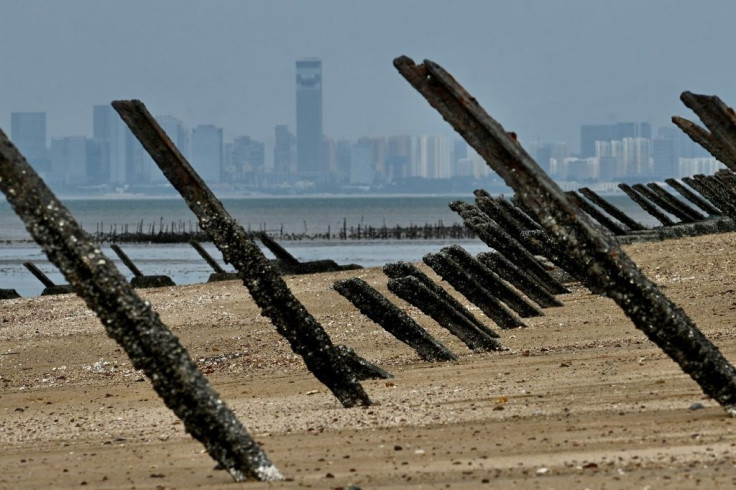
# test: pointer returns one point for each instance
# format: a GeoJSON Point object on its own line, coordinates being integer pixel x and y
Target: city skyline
{"type": "Point", "coordinates": [541, 68]}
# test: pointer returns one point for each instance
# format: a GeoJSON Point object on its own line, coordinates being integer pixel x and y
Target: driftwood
{"type": "Point", "coordinates": [305, 335]}
{"type": "Point", "coordinates": [131, 322]}
{"type": "Point", "coordinates": [605, 263]}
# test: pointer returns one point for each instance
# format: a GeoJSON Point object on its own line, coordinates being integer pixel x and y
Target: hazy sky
{"type": "Point", "coordinates": [541, 68]}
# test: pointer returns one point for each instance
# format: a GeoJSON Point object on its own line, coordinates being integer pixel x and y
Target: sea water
{"type": "Point", "coordinates": [298, 215]}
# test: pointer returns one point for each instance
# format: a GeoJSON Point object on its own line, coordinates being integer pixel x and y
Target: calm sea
{"type": "Point", "coordinates": [310, 215]}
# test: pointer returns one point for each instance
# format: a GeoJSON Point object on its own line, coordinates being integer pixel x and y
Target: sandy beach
{"type": "Point", "coordinates": [580, 398]}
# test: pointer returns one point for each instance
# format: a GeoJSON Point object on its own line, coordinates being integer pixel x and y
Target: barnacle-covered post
{"type": "Point", "coordinates": [601, 258]}
{"type": "Point", "coordinates": [389, 316]}
{"type": "Point", "coordinates": [611, 209]}
{"type": "Point", "coordinates": [130, 321]}
{"type": "Point", "coordinates": [646, 205]}
{"type": "Point", "coordinates": [305, 335]}
{"type": "Point", "coordinates": [694, 198]}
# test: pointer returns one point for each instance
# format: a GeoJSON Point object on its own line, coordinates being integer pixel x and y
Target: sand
{"type": "Point", "coordinates": [580, 398]}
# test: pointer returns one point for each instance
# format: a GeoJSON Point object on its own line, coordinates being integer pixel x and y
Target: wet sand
{"type": "Point", "coordinates": [580, 398]}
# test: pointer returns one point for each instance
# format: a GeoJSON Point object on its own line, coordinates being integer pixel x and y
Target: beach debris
{"type": "Point", "coordinates": [604, 262]}
{"type": "Point", "coordinates": [219, 273]}
{"type": "Point", "coordinates": [50, 288]}
{"type": "Point", "coordinates": [463, 283]}
{"type": "Point", "coordinates": [397, 270]}
{"type": "Point", "coordinates": [389, 316]}
{"type": "Point", "coordinates": [696, 406]}
{"type": "Point", "coordinates": [413, 291]}
{"type": "Point", "coordinates": [490, 281]}
{"type": "Point", "coordinates": [714, 193]}
{"type": "Point", "coordinates": [305, 335]}
{"type": "Point", "coordinates": [131, 321]}
{"type": "Point", "coordinates": [140, 280]}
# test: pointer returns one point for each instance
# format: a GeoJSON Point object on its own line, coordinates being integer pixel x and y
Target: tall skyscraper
{"type": "Point", "coordinates": [284, 150]}
{"type": "Point", "coordinates": [28, 133]}
{"type": "Point", "coordinates": [207, 152]}
{"type": "Point", "coordinates": [109, 131]}
{"type": "Point", "coordinates": [309, 116]}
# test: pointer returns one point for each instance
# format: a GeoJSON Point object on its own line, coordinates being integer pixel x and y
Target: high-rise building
{"type": "Point", "coordinates": [284, 150]}
{"type": "Point", "coordinates": [433, 157]}
{"type": "Point", "coordinates": [309, 117]}
{"type": "Point", "coordinates": [207, 152]}
{"type": "Point", "coordinates": [399, 157]}
{"type": "Point", "coordinates": [591, 133]}
{"type": "Point", "coordinates": [69, 160]}
{"type": "Point", "coordinates": [177, 132]}
{"type": "Point", "coordinates": [244, 161]}
{"type": "Point", "coordinates": [109, 131]}
{"type": "Point", "coordinates": [28, 133]}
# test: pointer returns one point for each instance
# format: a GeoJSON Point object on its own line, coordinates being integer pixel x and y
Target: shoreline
{"type": "Point", "coordinates": [579, 398]}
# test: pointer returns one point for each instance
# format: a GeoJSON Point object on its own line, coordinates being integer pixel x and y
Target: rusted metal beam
{"type": "Point", "coordinates": [131, 322]}
{"type": "Point", "coordinates": [414, 292]}
{"type": "Point", "coordinates": [219, 273]}
{"type": "Point", "coordinates": [681, 207]}
{"type": "Point", "coordinates": [595, 213]}
{"type": "Point", "coordinates": [490, 281]}
{"type": "Point", "coordinates": [305, 335]}
{"type": "Point", "coordinates": [50, 288]}
{"type": "Point", "coordinates": [517, 213]}
{"type": "Point", "coordinates": [141, 280]}
{"type": "Point", "coordinates": [720, 120]}
{"type": "Point", "coordinates": [712, 194]}
{"type": "Point", "coordinates": [207, 257]}
{"type": "Point", "coordinates": [611, 209]}
{"type": "Point", "coordinates": [662, 203]}
{"type": "Point", "coordinates": [699, 201]}
{"type": "Point", "coordinates": [463, 283]}
{"type": "Point", "coordinates": [485, 202]}
{"type": "Point", "coordinates": [646, 205]}
{"type": "Point", "coordinates": [719, 191]}
{"type": "Point", "coordinates": [397, 270]}
{"type": "Point", "coordinates": [8, 294]}
{"type": "Point", "coordinates": [603, 260]}
{"type": "Point", "coordinates": [278, 251]}
{"type": "Point", "coordinates": [520, 279]}
{"type": "Point", "coordinates": [376, 307]}
{"type": "Point", "coordinates": [497, 238]}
